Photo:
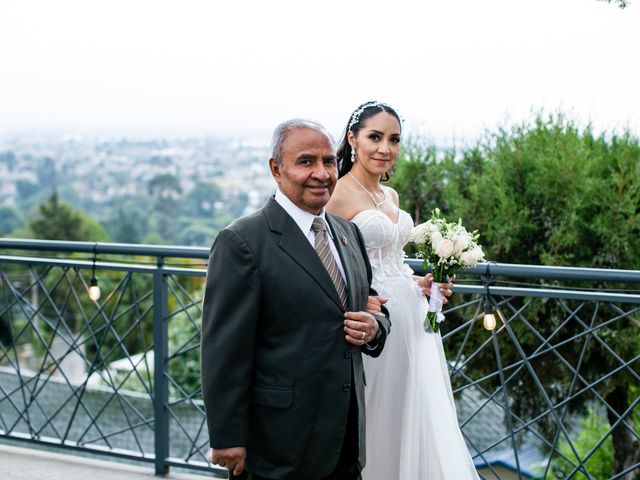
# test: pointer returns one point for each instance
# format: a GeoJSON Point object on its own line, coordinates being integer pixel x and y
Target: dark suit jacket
{"type": "Point", "coordinates": [276, 368]}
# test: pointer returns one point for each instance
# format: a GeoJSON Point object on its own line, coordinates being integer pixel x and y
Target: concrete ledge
{"type": "Point", "coordinates": [17, 463]}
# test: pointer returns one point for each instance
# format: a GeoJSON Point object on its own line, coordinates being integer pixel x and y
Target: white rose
{"type": "Point", "coordinates": [453, 236]}
{"type": "Point", "coordinates": [461, 242]}
{"type": "Point", "coordinates": [444, 248]}
{"type": "Point", "coordinates": [468, 258]}
{"type": "Point", "coordinates": [432, 227]}
{"type": "Point", "coordinates": [419, 234]}
{"type": "Point", "coordinates": [436, 238]}
{"type": "Point", "coordinates": [478, 253]}
{"type": "Point", "coordinates": [473, 256]}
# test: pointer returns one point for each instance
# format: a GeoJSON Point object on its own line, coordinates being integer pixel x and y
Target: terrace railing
{"type": "Point", "coordinates": [118, 375]}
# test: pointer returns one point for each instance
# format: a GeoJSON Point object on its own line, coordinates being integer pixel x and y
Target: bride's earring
{"type": "Point", "coordinates": [353, 155]}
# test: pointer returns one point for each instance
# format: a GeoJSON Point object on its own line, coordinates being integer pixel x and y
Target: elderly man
{"type": "Point", "coordinates": [285, 324]}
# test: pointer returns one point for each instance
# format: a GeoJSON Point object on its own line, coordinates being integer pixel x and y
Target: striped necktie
{"type": "Point", "coordinates": [324, 252]}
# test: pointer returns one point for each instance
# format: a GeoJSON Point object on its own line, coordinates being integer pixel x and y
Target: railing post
{"type": "Point", "coordinates": [160, 384]}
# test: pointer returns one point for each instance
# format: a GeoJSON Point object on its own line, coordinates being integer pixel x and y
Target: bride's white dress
{"type": "Point", "coordinates": [412, 428]}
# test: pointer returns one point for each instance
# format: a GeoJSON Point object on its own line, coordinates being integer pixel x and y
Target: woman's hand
{"type": "Point", "coordinates": [425, 284]}
{"type": "Point", "coordinates": [374, 304]}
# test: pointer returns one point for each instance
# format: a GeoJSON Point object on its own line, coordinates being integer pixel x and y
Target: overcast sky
{"type": "Point", "coordinates": [451, 67]}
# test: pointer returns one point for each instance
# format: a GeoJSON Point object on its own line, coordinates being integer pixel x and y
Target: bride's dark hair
{"type": "Point", "coordinates": [356, 121]}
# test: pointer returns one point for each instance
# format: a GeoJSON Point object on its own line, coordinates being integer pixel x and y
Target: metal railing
{"type": "Point", "coordinates": [119, 375]}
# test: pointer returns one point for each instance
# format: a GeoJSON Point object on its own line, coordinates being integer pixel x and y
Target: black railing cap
{"type": "Point", "coordinates": [103, 247]}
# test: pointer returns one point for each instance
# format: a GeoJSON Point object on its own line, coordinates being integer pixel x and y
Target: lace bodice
{"type": "Point", "coordinates": [385, 240]}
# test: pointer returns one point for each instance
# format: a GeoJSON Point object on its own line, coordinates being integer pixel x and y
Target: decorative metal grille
{"type": "Point", "coordinates": [120, 376]}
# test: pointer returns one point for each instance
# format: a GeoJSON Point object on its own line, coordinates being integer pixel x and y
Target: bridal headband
{"type": "Point", "coordinates": [355, 118]}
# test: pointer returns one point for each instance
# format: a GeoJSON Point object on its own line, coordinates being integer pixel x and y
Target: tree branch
{"type": "Point", "coordinates": [621, 3]}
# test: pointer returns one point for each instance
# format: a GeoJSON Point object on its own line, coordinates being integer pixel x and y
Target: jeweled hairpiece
{"type": "Point", "coordinates": [355, 118]}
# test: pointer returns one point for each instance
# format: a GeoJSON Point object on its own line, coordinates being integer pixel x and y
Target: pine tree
{"type": "Point", "coordinates": [58, 221]}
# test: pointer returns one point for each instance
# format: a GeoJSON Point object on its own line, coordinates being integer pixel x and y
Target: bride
{"type": "Point", "coordinates": [412, 431]}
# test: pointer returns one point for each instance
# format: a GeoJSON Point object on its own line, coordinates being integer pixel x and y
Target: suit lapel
{"type": "Point", "coordinates": [296, 245]}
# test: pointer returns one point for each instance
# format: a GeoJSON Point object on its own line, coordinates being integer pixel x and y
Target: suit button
{"type": "Point", "coordinates": [347, 354]}
{"type": "Point", "coordinates": [346, 387]}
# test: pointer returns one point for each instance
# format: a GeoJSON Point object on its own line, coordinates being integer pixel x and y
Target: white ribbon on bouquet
{"type": "Point", "coordinates": [435, 301]}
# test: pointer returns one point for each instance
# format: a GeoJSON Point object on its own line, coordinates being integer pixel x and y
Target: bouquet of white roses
{"type": "Point", "coordinates": [447, 248]}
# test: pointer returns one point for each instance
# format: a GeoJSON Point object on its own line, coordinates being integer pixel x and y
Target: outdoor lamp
{"type": "Point", "coordinates": [94, 289]}
{"type": "Point", "coordinates": [489, 320]}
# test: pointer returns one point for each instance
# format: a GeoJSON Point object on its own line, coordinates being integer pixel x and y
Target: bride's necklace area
{"type": "Point", "coordinates": [381, 194]}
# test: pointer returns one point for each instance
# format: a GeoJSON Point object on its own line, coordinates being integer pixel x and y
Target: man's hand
{"type": "Point", "coordinates": [374, 303]}
{"type": "Point", "coordinates": [233, 458]}
{"type": "Point", "coordinates": [360, 327]}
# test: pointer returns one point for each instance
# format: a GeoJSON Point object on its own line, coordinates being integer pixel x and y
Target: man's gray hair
{"type": "Point", "coordinates": [282, 130]}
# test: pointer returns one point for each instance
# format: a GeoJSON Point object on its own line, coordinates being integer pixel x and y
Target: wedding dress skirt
{"type": "Point", "coordinates": [412, 430]}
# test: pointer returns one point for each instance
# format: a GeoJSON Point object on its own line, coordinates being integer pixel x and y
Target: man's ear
{"type": "Point", "coordinates": [275, 169]}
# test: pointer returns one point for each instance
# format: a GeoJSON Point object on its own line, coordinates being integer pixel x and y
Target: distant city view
{"type": "Point", "coordinates": [157, 190]}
